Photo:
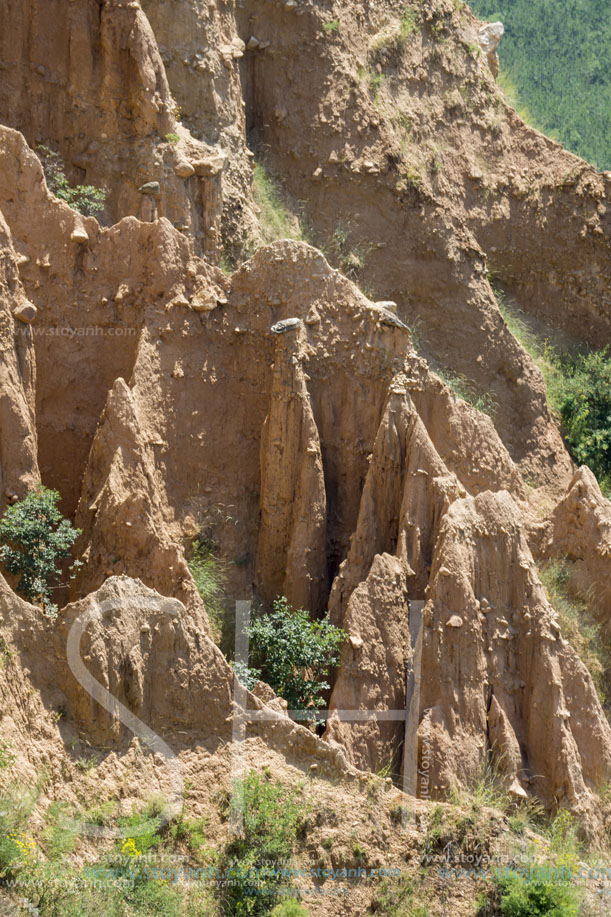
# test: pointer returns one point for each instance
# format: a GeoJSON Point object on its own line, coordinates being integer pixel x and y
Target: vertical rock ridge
{"type": "Point", "coordinates": [291, 551]}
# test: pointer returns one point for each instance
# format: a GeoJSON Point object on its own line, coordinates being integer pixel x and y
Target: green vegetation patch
{"type": "Point", "coordinates": [556, 52]}
{"type": "Point", "coordinates": [578, 623]}
{"type": "Point", "coordinates": [578, 385]}
{"type": "Point", "coordinates": [267, 819]}
{"type": "Point", "coordinates": [467, 391]}
{"type": "Point", "coordinates": [34, 541]}
{"type": "Point", "coordinates": [86, 199]}
{"type": "Point", "coordinates": [295, 654]}
{"type": "Point", "coordinates": [210, 579]}
{"type": "Point", "coordinates": [275, 218]}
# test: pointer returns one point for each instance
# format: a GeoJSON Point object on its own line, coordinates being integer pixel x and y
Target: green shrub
{"type": "Point", "coordinates": [295, 653]}
{"type": "Point", "coordinates": [523, 897]}
{"type": "Point", "coordinates": [585, 410]}
{"type": "Point", "coordinates": [332, 26]}
{"type": "Point", "coordinates": [35, 539]}
{"type": "Point", "coordinates": [271, 817]}
{"type": "Point", "coordinates": [172, 137]}
{"type": "Point", "coordinates": [86, 199]}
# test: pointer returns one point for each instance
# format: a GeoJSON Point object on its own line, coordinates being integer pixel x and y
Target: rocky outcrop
{"type": "Point", "coordinates": [292, 545]}
{"type": "Point", "coordinates": [489, 38]}
{"type": "Point", "coordinates": [489, 632]}
{"type": "Point", "coordinates": [128, 662]}
{"type": "Point", "coordinates": [493, 674]}
{"type": "Point", "coordinates": [124, 513]}
{"type": "Point", "coordinates": [18, 446]}
{"type": "Point", "coordinates": [373, 669]}
{"type": "Point", "coordinates": [406, 493]}
{"type": "Point", "coordinates": [579, 531]}
{"type": "Point", "coordinates": [100, 96]}
{"type": "Point", "coordinates": [203, 54]}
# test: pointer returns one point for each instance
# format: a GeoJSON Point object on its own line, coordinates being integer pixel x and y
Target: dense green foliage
{"type": "Point", "coordinates": [35, 539]}
{"type": "Point", "coordinates": [521, 897]}
{"type": "Point", "coordinates": [295, 653]}
{"type": "Point", "coordinates": [137, 876]}
{"type": "Point", "coordinates": [578, 392]}
{"type": "Point", "coordinates": [585, 411]}
{"type": "Point", "coordinates": [271, 817]}
{"type": "Point", "coordinates": [87, 199]}
{"type": "Point", "coordinates": [556, 52]}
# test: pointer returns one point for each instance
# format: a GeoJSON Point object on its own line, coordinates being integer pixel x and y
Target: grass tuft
{"type": "Point", "coordinates": [276, 220]}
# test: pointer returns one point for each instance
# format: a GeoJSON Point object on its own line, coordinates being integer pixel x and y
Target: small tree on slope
{"type": "Point", "coordinates": [34, 539]}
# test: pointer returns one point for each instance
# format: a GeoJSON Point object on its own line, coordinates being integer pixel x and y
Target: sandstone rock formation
{"type": "Point", "coordinates": [18, 445]}
{"type": "Point", "coordinates": [106, 106]}
{"type": "Point", "coordinates": [579, 532]}
{"type": "Point", "coordinates": [483, 571]}
{"type": "Point", "coordinates": [278, 410]}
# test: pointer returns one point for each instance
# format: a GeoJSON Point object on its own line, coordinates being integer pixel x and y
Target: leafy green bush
{"type": "Point", "coordinates": [86, 199]}
{"type": "Point", "coordinates": [585, 411]}
{"type": "Point", "coordinates": [271, 817]}
{"type": "Point", "coordinates": [290, 908]}
{"type": "Point", "coordinates": [35, 539]}
{"type": "Point", "coordinates": [523, 897]}
{"type": "Point", "coordinates": [295, 653]}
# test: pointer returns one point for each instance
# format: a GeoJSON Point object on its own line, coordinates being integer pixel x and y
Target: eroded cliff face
{"type": "Point", "coordinates": [281, 406]}
{"type": "Point", "coordinates": [18, 443]}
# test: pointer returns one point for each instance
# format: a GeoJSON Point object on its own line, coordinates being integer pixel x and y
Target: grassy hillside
{"type": "Point", "coordinates": [556, 53]}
